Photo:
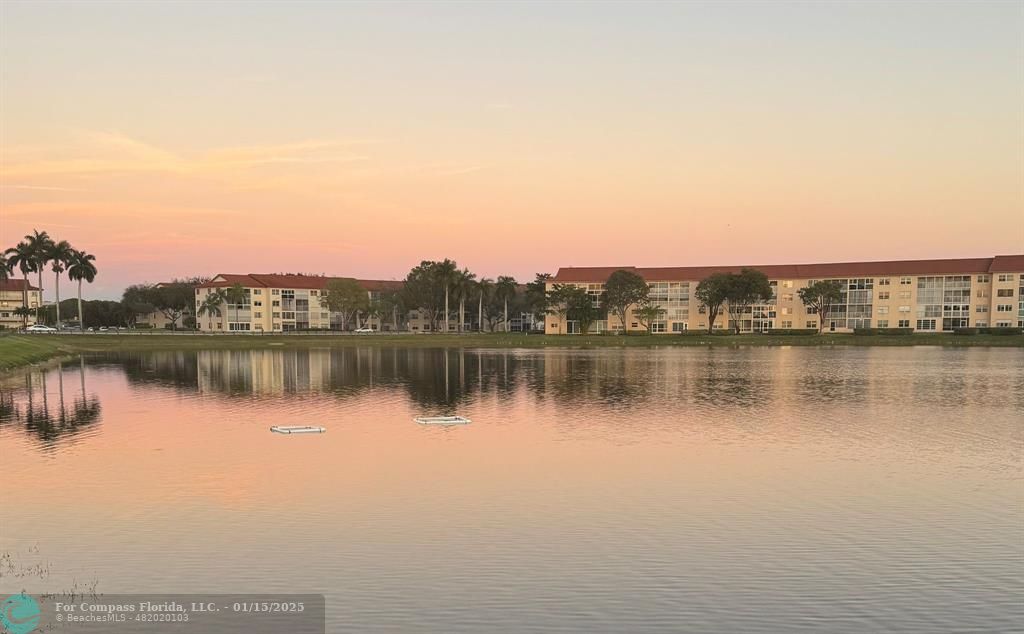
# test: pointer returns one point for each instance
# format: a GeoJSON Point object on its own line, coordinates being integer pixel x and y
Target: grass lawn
{"type": "Point", "coordinates": [18, 350]}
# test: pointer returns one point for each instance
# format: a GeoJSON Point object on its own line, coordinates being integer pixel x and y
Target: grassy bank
{"type": "Point", "coordinates": [18, 350]}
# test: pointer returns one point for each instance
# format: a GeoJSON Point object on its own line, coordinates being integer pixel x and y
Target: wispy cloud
{"type": "Point", "coordinates": [44, 188]}
{"type": "Point", "coordinates": [461, 170]}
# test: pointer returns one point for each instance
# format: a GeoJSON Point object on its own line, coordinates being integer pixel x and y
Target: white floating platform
{"type": "Point", "coordinates": [297, 429]}
{"type": "Point", "coordinates": [442, 420]}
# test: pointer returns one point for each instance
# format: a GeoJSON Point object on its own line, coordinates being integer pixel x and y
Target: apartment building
{"type": "Point", "coordinates": [12, 297]}
{"type": "Point", "coordinates": [925, 295]}
{"type": "Point", "coordinates": [283, 302]}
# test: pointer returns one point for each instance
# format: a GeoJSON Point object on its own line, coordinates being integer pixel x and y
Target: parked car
{"type": "Point", "coordinates": [40, 328]}
{"type": "Point", "coordinates": [365, 329]}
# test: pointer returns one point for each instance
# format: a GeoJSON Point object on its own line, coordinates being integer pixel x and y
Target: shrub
{"type": "Point", "coordinates": [143, 326]}
{"type": "Point", "coordinates": [865, 331]}
{"type": "Point", "coordinates": [894, 331]}
{"type": "Point", "coordinates": [965, 331]}
{"type": "Point", "coordinates": [793, 331]}
{"type": "Point", "coordinates": [1001, 330]}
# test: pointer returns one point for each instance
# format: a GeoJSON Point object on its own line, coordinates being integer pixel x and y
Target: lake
{"type": "Point", "coordinates": [612, 490]}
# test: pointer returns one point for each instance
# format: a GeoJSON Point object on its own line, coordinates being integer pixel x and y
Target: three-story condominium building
{"type": "Point", "coordinates": [925, 295]}
{"type": "Point", "coordinates": [12, 297]}
{"type": "Point", "coordinates": [283, 302]}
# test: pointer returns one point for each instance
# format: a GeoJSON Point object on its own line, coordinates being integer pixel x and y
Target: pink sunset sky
{"type": "Point", "coordinates": [358, 139]}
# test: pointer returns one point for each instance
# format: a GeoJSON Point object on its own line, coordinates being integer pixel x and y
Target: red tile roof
{"type": "Point", "coordinates": [1007, 264]}
{"type": "Point", "coordinates": [15, 285]}
{"type": "Point", "coordinates": [803, 271]}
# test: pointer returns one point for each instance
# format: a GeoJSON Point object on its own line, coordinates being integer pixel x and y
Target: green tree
{"type": "Point", "coordinates": [173, 299]}
{"type": "Point", "coordinates": [22, 258]}
{"type": "Point", "coordinates": [235, 296]}
{"type": "Point", "coordinates": [558, 302]}
{"type": "Point", "coordinates": [39, 248]}
{"type": "Point", "coordinates": [211, 304]}
{"type": "Point", "coordinates": [536, 294]}
{"type": "Point", "coordinates": [647, 313]}
{"type": "Point", "coordinates": [819, 298]}
{"type": "Point", "coordinates": [484, 290]}
{"type": "Point", "coordinates": [58, 254]}
{"type": "Point", "coordinates": [712, 292]}
{"type": "Point", "coordinates": [463, 285]}
{"type": "Point", "coordinates": [346, 297]}
{"type": "Point", "coordinates": [81, 268]}
{"type": "Point", "coordinates": [580, 307]}
{"type": "Point", "coordinates": [505, 289]}
{"type": "Point", "coordinates": [746, 288]}
{"type": "Point", "coordinates": [623, 290]}
{"type": "Point", "coordinates": [137, 299]}
{"type": "Point", "coordinates": [6, 268]}
{"type": "Point", "coordinates": [446, 271]}
{"type": "Point", "coordinates": [423, 290]}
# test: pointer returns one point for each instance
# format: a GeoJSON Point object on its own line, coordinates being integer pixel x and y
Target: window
{"type": "Point", "coordinates": [1004, 308]}
{"type": "Point", "coordinates": [906, 281]}
{"type": "Point", "coordinates": [811, 324]}
{"type": "Point", "coordinates": [903, 323]}
{"type": "Point", "coordinates": [883, 294]}
{"type": "Point", "coordinates": [926, 324]}
{"type": "Point", "coordinates": [1004, 292]}
{"type": "Point", "coordinates": [981, 324]}
{"type": "Point", "coordinates": [787, 284]}
{"type": "Point", "coordinates": [904, 309]}
{"type": "Point", "coordinates": [1005, 277]}
{"type": "Point", "coordinates": [275, 292]}
{"type": "Point", "coordinates": [275, 302]}
{"type": "Point", "coordinates": [257, 303]}
{"type": "Point", "coordinates": [787, 310]}
{"type": "Point", "coordinates": [313, 293]}
{"type": "Point", "coordinates": [904, 294]}
{"type": "Point", "coordinates": [787, 297]}
{"type": "Point", "coordinates": [883, 310]}
{"type": "Point", "coordinates": [238, 326]}
{"type": "Point", "coordinates": [679, 326]}
{"type": "Point", "coordinates": [982, 292]}
{"type": "Point", "coordinates": [883, 323]}
{"type": "Point", "coordinates": [787, 324]}
{"type": "Point", "coordinates": [658, 326]}
{"type": "Point", "coordinates": [983, 279]}
{"type": "Point", "coordinates": [981, 309]}
{"type": "Point", "coordinates": [1002, 324]}
{"type": "Point", "coordinates": [257, 291]}
{"type": "Point", "coordinates": [883, 281]}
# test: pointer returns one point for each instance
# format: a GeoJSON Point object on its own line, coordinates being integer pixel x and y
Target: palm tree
{"type": "Point", "coordinates": [21, 257]}
{"type": "Point", "coordinates": [5, 267]}
{"type": "Point", "coordinates": [484, 288]}
{"type": "Point", "coordinates": [505, 290]}
{"type": "Point", "coordinates": [39, 248]}
{"type": "Point", "coordinates": [445, 272]}
{"type": "Point", "coordinates": [463, 286]}
{"type": "Point", "coordinates": [81, 267]}
{"type": "Point", "coordinates": [235, 296]}
{"type": "Point", "coordinates": [23, 312]}
{"type": "Point", "coordinates": [59, 254]}
{"type": "Point", "coordinates": [211, 305]}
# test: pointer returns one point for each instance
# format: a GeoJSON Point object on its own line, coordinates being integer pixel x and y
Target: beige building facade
{"type": "Point", "coordinates": [12, 297]}
{"type": "Point", "coordinates": [924, 295]}
{"type": "Point", "coordinates": [287, 302]}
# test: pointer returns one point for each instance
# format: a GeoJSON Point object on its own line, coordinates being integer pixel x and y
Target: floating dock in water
{"type": "Point", "coordinates": [442, 420]}
{"type": "Point", "coordinates": [297, 429]}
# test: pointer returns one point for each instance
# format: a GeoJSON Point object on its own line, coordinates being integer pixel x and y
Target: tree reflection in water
{"type": "Point", "coordinates": [29, 405]}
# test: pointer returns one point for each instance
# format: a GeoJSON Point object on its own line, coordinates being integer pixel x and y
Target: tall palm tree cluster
{"type": "Point", "coordinates": [33, 254]}
{"type": "Point", "coordinates": [447, 279]}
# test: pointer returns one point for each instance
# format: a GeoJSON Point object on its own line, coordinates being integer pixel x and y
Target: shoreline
{"type": "Point", "coordinates": [19, 350]}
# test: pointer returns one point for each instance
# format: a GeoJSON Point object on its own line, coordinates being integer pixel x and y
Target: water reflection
{"type": "Point", "coordinates": [51, 404]}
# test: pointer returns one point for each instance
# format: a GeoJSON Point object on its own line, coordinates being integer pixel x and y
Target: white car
{"type": "Point", "coordinates": [40, 328]}
{"type": "Point", "coordinates": [365, 329]}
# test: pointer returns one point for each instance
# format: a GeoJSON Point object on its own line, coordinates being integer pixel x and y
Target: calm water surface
{"type": "Point", "coordinates": [682, 490]}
